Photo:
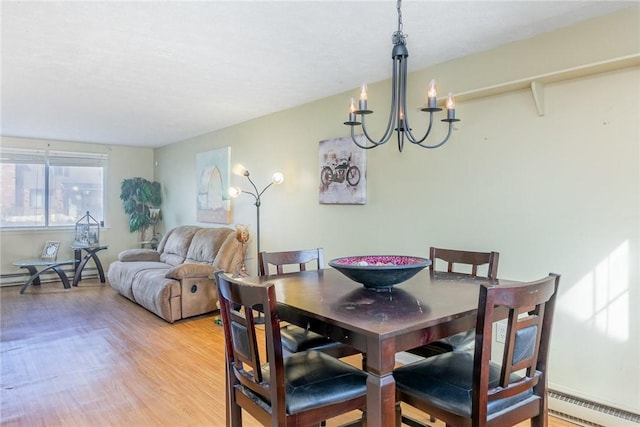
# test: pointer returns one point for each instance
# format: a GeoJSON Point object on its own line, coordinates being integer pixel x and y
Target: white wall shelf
{"type": "Point", "coordinates": [537, 83]}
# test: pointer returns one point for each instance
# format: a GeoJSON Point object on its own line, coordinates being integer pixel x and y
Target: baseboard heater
{"type": "Point", "coordinates": [18, 279]}
{"type": "Point", "coordinates": [588, 413]}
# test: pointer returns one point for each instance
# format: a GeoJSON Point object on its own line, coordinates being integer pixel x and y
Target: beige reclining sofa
{"type": "Point", "coordinates": [174, 281]}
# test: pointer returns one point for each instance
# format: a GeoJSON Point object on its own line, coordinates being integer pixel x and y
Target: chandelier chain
{"type": "Point", "coordinates": [399, 37]}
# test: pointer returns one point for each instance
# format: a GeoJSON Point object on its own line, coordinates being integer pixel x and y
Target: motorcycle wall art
{"type": "Point", "coordinates": [342, 172]}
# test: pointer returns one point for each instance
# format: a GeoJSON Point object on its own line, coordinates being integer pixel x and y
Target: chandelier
{"type": "Point", "coordinates": [398, 118]}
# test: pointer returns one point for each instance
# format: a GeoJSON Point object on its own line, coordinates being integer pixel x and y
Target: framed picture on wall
{"type": "Point", "coordinates": [50, 251]}
{"type": "Point", "coordinates": [213, 173]}
{"type": "Point", "coordinates": [343, 172]}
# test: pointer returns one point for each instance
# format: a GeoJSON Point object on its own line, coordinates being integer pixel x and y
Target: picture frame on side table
{"type": "Point", "coordinates": [50, 251]}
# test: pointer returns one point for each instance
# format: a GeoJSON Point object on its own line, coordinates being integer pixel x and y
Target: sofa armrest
{"type": "Point", "coordinates": [189, 270]}
{"type": "Point", "coordinates": [139, 255]}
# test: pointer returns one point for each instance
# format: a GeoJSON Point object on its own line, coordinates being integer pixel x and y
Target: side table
{"type": "Point", "coordinates": [31, 264]}
{"type": "Point", "coordinates": [81, 261]}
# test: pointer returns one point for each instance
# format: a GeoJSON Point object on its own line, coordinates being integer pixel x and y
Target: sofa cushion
{"type": "Point", "coordinates": [130, 255]}
{"type": "Point", "coordinates": [158, 294]}
{"type": "Point", "coordinates": [177, 244]}
{"type": "Point", "coordinates": [190, 270]}
{"type": "Point", "coordinates": [206, 243]}
{"type": "Point", "coordinates": [122, 275]}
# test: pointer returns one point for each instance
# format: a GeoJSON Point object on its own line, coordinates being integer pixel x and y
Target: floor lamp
{"type": "Point", "coordinates": [276, 178]}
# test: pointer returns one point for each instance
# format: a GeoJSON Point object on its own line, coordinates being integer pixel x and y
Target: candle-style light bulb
{"type": "Point", "coordinates": [352, 112]}
{"type": "Point", "coordinates": [362, 103]}
{"type": "Point", "coordinates": [431, 97]}
{"type": "Point", "coordinates": [363, 92]}
{"type": "Point", "coordinates": [432, 91]}
{"type": "Point", "coordinates": [451, 102]}
{"type": "Point", "coordinates": [451, 108]}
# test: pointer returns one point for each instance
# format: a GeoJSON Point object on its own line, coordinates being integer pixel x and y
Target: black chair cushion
{"type": "Point", "coordinates": [445, 382]}
{"type": "Point", "coordinates": [295, 339]}
{"type": "Point", "coordinates": [464, 341]}
{"type": "Point", "coordinates": [314, 379]}
{"type": "Point", "coordinates": [432, 349]}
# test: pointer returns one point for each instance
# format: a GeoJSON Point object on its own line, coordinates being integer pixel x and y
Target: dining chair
{"type": "Point", "coordinates": [303, 389]}
{"type": "Point", "coordinates": [469, 258]}
{"type": "Point", "coordinates": [454, 260]}
{"type": "Point", "coordinates": [295, 338]}
{"type": "Point", "coordinates": [465, 389]}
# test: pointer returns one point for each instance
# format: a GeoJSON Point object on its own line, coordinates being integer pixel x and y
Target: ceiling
{"type": "Point", "coordinates": [149, 73]}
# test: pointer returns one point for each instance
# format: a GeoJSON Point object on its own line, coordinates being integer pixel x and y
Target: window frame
{"type": "Point", "coordinates": [54, 158]}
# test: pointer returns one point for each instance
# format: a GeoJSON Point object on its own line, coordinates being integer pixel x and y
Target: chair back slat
{"type": "Point", "coordinates": [530, 313]}
{"type": "Point", "coordinates": [469, 258]}
{"type": "Point", "coordinates": [300, 259]}
{"type": "Point", "coordinates": [242, 341]}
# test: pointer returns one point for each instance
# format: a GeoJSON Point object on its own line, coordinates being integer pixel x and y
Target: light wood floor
{"type": "Point", "coordinates": [89, 357]}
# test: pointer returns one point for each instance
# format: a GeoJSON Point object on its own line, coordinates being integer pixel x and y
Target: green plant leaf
{"type": "Point", "coordinates": [138, 195]}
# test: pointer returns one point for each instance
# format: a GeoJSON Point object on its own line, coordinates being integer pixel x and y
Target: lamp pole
{"type": "Point", "coordinates": [234, 192]}
{"type": "Point", "coordinates": [257, 204]}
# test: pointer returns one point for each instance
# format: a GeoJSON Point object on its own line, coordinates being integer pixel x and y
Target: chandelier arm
{"type": "Point", "coordinates": [416, 141]}
{"type": "Point", "coordinates": [375, 143]}
{"type": "Point", "coordinates": [442, 142]}
{"type": "Point", "coordinates": [392, 111]}
{"type": "Point", "coordinates": [407, 127]}
{"type": "Point", "coordinates": [365, 147]}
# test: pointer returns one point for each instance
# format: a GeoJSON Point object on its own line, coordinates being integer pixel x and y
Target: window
{"type": "Point", "coordinates": [41, 188]}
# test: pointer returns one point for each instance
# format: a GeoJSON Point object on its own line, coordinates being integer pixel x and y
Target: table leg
{"type": "Point", "coordinates": [79, 267]}
{"type": "Point", "coordinates": [381, 400]}
{"type": "Point", "coordinates": [62, 275]}
{"type": "Point", "coordinates": [81, 262]}
{"type": "Point", "coordinates": [34, 279]}
{"type": "Point", "coordinates": [98, 266]}
{"type": "Point", "coordinates": [35, 276]}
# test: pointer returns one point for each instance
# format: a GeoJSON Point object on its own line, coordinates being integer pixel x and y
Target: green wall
{"type": "Point", "coordinates": [558, 192]}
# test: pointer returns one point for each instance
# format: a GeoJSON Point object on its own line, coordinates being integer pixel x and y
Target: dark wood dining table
{"type": "Point", "coordinates": [380, 323]}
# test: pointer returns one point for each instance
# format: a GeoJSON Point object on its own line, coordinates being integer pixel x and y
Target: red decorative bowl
{"type": "Point", "coordinates": [379, 271]}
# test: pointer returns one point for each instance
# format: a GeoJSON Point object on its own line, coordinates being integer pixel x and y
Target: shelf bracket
{"type": "Point", "coordinates": [537, 90]}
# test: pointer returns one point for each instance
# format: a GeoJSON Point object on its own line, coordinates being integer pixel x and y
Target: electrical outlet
{"type": "Point", "coordinates": [501, 331]}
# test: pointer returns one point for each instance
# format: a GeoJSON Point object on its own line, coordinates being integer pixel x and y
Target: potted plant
{"type": "Point", "coordinates": [139, 196]}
